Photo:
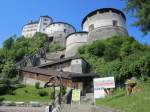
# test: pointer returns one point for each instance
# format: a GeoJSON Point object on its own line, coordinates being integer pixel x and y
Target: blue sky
{"type": "Point", "coordinates": [15, 13]}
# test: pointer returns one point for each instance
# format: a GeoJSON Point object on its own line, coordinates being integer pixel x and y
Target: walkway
{"type": "Point", "coordinates": [74, 108]}
{"type": "Point", "coordinates": [88, 108]}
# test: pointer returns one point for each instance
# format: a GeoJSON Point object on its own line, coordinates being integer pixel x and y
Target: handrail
{"type": "Point", "coordinates": [41, 52]}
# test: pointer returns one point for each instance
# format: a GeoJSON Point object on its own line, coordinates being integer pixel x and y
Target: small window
{"type": "Point", "coordinates": [115, 23]}
{"type": "Point", "coordinates": [91, 27]}
{"type": "Point", "coordinates": [45, 20]}
{"type": "Point", "coordinates": [65, 30]}
{"type": "Point", "coordinates": [60, 35]}
{"type": "Point", "coordinates": [44, 23]}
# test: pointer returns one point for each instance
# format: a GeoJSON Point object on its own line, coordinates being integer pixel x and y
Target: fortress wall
{"type": "Point", "coordinates": [104, 23]}
{"type": "Point", "coordinates": [104, 19]}
{"type": "Point", "coordinates": [74, 41]}
{"type": "Point", "coordinates": [106, 32]}
{"type": "Point", "coordinates": [59, 31]}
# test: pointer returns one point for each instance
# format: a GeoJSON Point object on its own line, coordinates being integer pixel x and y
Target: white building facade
{"type": "Point", "coordinates": [74, 41]}
{"type": "Point", "coordinates": [37, 26]}
{"type": "Point", "coordinates": [99, 24]}
{"type": "Point", "coordinates": [104, 23]}
{"type": "Point", "coordinates": [59, 31]}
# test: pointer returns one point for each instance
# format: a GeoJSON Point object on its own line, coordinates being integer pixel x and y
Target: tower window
{"type": "Point", "coordinates": [91, 27]}
{"type": "Point", "coordinates": [115, 23]}
{"type": "Point", "coordinates": [45, 19]}
{"type": "Point", "coordinates": [44, 23]}
{"type": "Point", "coordinates": [65, 30]}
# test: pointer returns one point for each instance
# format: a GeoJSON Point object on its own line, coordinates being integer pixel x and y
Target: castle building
{"type": "Point", "coordinates": [99, 24]}
{"type": "Point", "coordinates": [74, 41]}
{"type": "Point", "coordinates": [104, 23]}
{"type": "Point", "coordinates": [59, 31]}
{"type": "Point", "coordinates": [36, 26]}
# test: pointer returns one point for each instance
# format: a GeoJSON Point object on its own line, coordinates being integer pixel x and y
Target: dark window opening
{"type": "Point", "coordinates": [91, 27]}
{"type": "Point", "coordinates": [45, 20]}
{"type": "Point", "coordinates": [115, 23]}
{"type": "Point", "coordinates": [65, 30]}
{"type": "Point", "coordinates": [44, 23]}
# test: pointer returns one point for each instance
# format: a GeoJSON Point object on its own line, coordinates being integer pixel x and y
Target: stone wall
{"type": "Point", "coordinates": [74, 41]}
{"type": "Point", "coordinates": [78, 66]}
{"type": "Point", "coordinates": [106, 32]}
{"type": "Point", "coordinates": [32, 78]}
{"type": "Point", "coordinates": [59, 31]}
{"type": "Point", "coordinates": [103, 19]}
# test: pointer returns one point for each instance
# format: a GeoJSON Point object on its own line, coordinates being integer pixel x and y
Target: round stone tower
{"type": "Point", "coordinates": [59, 31]}
{"type": "Point", "coordinates": [104, 23]}
{"type": "Point", "coordinates": [74, 41]}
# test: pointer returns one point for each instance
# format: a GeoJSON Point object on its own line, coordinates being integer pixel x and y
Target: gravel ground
{"type": "Point", "coordinates": [21, 109]}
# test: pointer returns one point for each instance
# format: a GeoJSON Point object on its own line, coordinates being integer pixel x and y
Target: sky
{"type": "Point", "coordinates": [16, 13]}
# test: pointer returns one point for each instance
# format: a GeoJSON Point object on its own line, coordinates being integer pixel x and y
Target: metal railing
{"type": "Point", "coordinates": [41, 52]}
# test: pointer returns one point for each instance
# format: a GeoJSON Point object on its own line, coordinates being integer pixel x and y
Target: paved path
{"type": "Point", "coordinates": [21, 109]}
{"type": "Point", "coordinates": [74, 108]}
{"type": "Point", "coordinates": [88, 108]}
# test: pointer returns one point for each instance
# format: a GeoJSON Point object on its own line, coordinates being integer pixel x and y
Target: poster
{"type": "Point", "coordinates": [75, 95]}
{"type": "Point", "coordinates": [102, 83]}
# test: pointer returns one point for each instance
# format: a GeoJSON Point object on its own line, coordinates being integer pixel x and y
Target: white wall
{"type": "Point", "coordinates": [29, 30]}
{"type": "Point", "coordinates": [59, 27]}
{"type": "Point", "coordinates": [104, 19]}
{"type": "Point", "coordinates": [43, 23]}
{"type": "Point", "coordinates": [73, 42]}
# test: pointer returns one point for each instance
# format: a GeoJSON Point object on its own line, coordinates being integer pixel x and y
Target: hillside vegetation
{"type": "Point", "coordinates": [14, 50]}
{"type": "Point", "coordinates": [138, 102]}
{"type": "Point", "coordinates": [122, 57]}
{"type": "Point", "coordinates": [27, 94]}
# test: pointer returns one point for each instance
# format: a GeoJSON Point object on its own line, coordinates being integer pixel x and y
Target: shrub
{"type": "Point", "coordinates": [20, 86]}
{"type": "Point", "coordinates": [11, 92]}
{"type": "Point", "coordinates": [43, 93]}
{"type": "Point", "coordinates": [55, 46]}
{"type": "Point", "coordinates": [2, 99]}
{"type": "Point", "coordinates": [26, 91]}
{"type": "Point", "coordinates": [63, 90]}
{"type": "Point", "coordinates": [37, 85]}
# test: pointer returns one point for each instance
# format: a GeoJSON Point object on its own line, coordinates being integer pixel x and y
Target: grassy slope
{"type": "Point", "coordinates": [30, 95]}
{"type": "Point", "coordinates": [139, 102]}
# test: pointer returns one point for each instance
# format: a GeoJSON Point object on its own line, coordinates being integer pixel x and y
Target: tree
{"type": "Point", "coordinates": [123, 58]}
{"type": "Point", "coordinates": [140, 10]}
{"type": "Point", "coordinates": [8, 44]}
{"type": "Point", "coordinates": [7, 69]}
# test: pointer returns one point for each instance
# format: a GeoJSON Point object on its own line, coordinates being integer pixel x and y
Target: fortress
{"type": "Point", "coordinates": [99, 24]}
{"type": "Point", "coordinates": [75, 71]}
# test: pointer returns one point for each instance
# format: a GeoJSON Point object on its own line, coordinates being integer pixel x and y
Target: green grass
{"type": "Point", "coordinates": [138, 102]}
{"type": "Point", "coordinates": [27, 94]}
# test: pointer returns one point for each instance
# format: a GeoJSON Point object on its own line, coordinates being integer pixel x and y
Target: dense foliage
{"type": "Point", "coordinates": [138, 102]}
{"type": "Point", "coordinates": [140, 10]}
{"type": "Point", "coordinates": [14, 50]}
{"type": "Point", "coordinates": [55, 46]}
{"type": "Point", "coordinates": [122, 57]}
